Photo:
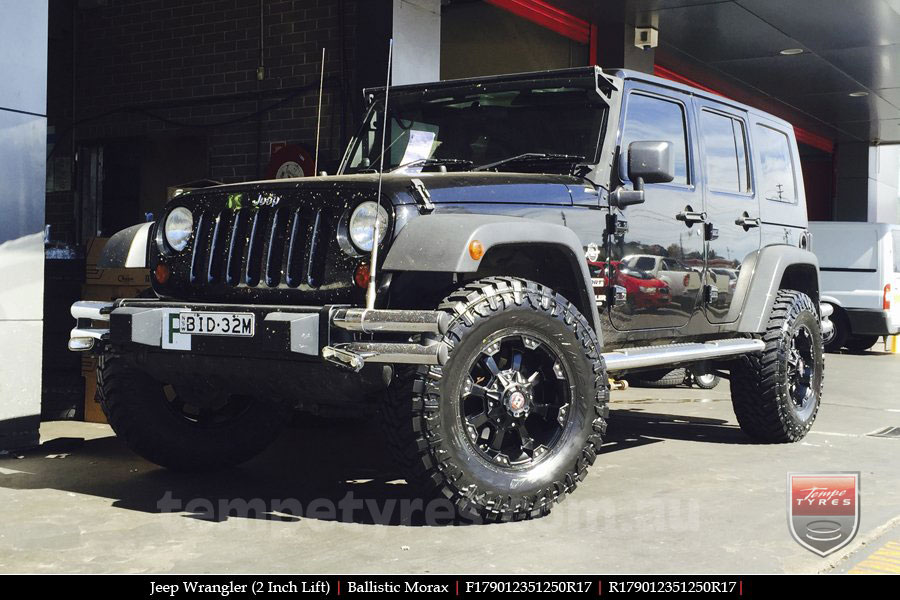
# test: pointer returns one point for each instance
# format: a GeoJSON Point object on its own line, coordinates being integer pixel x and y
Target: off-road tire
{"type": "Point", "coordinates": [136, 407]}
{"type": "Point", "coordinates": [658, 379]}
{"type": "Point", "coordinates": [861, 343]}
{"type": "Point", "coordinates": [760, 390]}
{"type": "Point", "coordinates": [420, 411]}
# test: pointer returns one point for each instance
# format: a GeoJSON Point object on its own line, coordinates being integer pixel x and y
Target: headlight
{"type": "Point", "coordinates": [362, 222]}
{"type": "Point", "coordinates": [647, 289]}
{"type": "Point", "coordinates": [178, 227]}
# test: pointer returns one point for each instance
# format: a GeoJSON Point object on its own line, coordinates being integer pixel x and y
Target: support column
{"type": "Point", "coordinates": [615, 41]}
{"type": "Point", "coordinates": [23, 142]}
{"type": "Point", "coordinates": [415, 26]}
{"type": "Point", "coordinates": [867, 183]}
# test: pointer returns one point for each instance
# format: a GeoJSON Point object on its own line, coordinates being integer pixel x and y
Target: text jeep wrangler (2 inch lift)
{"type": "Point", "coordinates": [522, 237]}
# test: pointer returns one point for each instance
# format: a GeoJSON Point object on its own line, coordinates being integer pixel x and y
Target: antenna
{"type": "Point", "coordinates": [376, 229]}
{"type": "Point", "coordinates": [319, 116]}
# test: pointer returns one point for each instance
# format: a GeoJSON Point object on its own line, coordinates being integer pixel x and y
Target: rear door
{"type": "Point", "coordinates": [730, 203]}
{"type": "Point", "coordinates": [654, 233]}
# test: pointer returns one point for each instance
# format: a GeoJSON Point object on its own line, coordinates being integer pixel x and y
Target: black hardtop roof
{"type": "Point", "coordinates": [605, 80]}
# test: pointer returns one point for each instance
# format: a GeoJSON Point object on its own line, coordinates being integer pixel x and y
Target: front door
{"type": "Point", "coordinates": [731, 205]}
{"type": "Point", "coordinates": [659, 259]}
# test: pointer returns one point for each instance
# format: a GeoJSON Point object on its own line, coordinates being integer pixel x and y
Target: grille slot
{"type": "Point", "coordinates": [216, 248]}
{"type": "Point", "coordinates": [255, 247]}
{"type": "Point", "coordinates": [201, 245]}
{"type": "Point", "coordinates": [315, 269]}
{"type": "Point", "coordinates": [275, 253]}
{"type": "Point", "coordinates": [296, 248]}
{"type": "Point", "coordinates": [236, 247]}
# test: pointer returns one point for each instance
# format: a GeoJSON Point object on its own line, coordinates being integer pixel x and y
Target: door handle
{"type": "Point", "coordinates": [689, 216]}
{"type": "Point", "coordinates": [747, 222]}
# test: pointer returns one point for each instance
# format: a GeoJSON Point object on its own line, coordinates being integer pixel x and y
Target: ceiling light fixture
{"type": "Point", "coordinates": [858, 94]}
{"type": "Point", "coordinates": [791, 51]}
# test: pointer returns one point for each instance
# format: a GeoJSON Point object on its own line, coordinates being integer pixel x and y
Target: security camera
{"type": "Point", "coordinates": [646, 37]}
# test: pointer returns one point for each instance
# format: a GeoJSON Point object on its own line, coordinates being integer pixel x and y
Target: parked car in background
{"type": "Point", "coordinates": [860, 278]}
{"type": "Point", "coordinates": [643, 289]}
{"type": "Point", "coordinates": [682, 280]}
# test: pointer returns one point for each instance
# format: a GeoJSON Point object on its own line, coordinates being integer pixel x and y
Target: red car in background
{"type": "Point", "coordinates": [643, 289]}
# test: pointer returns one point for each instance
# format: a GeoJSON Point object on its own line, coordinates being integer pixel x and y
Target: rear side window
{"type": "Point", "coordinates": [724, 152]}
{"type": "Point", "coordinates": [776, 169]}
{"type": "Point", "coordinates": [648, 118]}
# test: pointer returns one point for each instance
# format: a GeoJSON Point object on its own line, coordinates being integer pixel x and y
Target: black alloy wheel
{"type": "Point", "coordinates": [514, 404]}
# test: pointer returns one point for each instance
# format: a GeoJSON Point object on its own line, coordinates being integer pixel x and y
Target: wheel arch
{"type": "Point", "coordinates": [777, 267]}
{"type": "Point", "coordinates": [543, 252]}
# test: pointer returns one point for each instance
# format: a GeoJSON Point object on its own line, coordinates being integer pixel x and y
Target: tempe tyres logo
{"type": "Point", "coordinates": [823, 510]}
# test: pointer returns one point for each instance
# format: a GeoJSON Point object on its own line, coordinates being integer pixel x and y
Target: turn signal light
{"type": "Point", "coordinates": [362, 275]}
{"type": "Point", "coordinates": [886, 303]}
{"type": "Point", "coordinates": [162, 273]}
{"type": "Point", "coordinates": [476, 250]}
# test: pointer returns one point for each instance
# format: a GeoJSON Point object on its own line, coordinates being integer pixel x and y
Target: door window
{"type": "Point", "coordinates": [724, 152]}
{"type": "Point", "coordinates": [776, 167]}
{"type": "Point", "coordinates": [653, 119]}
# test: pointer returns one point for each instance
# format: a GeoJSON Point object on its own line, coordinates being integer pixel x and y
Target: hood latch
{"type": "Point", "coordinates": [422, 195]}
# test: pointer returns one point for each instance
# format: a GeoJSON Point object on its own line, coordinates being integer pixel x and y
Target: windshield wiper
{"type": "Point", "coordinates": [461, 162]}
{"type": "Point", "coordinates": [532, 157]}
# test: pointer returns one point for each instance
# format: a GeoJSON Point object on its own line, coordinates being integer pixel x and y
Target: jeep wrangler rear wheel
{"type": "Point", "coordinates": [177, 429]}
{"type": "Point", "coordinates": [776, 393]}
{"type": "Point", "coordinates": [512, 420]}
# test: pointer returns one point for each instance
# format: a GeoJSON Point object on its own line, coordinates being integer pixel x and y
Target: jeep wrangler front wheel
{"type": "Point", "coordinates": [776, 393]}
{"type": "Point", "coordinates": [512, 420]}
{"type": "Point", "coordinates": [180, 429]}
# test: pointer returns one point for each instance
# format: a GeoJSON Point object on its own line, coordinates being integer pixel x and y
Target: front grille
{"type": "Point", "coordinates": [265, 246]}
{"type": "Point", "coordinates": [288, 252]}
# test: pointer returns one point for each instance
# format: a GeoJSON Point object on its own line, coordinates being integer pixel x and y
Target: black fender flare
{"type": "Point", "coordinates": [440, 243]}
{"type": "Point", "coordinates": [127, 249]}
{"type": "Point", "coordinates": [767, 269]}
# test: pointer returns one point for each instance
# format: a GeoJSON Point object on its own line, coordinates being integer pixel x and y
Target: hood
{"type": "Point", "coordinates": [444, 188]}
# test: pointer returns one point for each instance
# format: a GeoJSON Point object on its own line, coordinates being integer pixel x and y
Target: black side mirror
{"type": "Point", "coordinates": [648, 162]}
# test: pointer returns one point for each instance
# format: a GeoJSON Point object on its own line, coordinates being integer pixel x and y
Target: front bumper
{"type": "Point", "coordinates": [343, 335]}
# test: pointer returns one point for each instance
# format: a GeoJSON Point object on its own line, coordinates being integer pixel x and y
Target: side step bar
{"type": "Point", "coordinates": [652, 356]}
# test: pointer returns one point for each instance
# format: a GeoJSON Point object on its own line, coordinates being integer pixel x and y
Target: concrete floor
{"type": "Point", "coordinates": [678, 489]}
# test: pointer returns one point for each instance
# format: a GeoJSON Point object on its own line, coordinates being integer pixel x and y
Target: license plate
{"type": "Point", "coordinates": [216, 323]}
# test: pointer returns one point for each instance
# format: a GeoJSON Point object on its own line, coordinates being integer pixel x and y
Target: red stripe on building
{"type": "Point", "coordinates": [803, 135]}
{"type": "Point", "coordinates": [547, 15]}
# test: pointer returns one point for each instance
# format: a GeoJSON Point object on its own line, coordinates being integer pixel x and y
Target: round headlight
{"type": "Point", "coordinates": [178, 227]}
{"type": "Point", "coordinates": [362, 222]}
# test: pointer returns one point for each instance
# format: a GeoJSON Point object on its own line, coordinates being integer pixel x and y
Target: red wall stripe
{"type": "Point", "coordinates": [549, 16]}
{"type": "Point", "coordinates": [570, 26]}
{"type": "Point", "coordinates": [803, 135]}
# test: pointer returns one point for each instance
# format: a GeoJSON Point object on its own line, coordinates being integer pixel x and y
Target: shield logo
{"type": "Point", "coordinates": [823, 509]}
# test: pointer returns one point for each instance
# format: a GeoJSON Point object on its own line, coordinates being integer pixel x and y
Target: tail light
{"type": "Point", "coordinates": [687, 280]}
{"type": "Point", "coordinates": [886, 302]}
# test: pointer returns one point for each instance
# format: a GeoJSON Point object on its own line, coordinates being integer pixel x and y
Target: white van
{"type": "Point", "coordinates": [859, 266]}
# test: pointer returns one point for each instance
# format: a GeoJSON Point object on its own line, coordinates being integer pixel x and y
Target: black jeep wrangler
{"type": "Point", "coordinates": [490, 252]}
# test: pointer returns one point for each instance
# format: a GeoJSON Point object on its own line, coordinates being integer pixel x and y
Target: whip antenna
{"type": "Point", "coordinates": [376, 227]}
{"type": "Point", "coordinates": [319, 116]}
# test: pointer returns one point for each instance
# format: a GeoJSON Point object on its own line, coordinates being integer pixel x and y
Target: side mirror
{"type": "Point", "coordinates": [651, 162]}
{"type": "Point", "coordinates": [648, 162]}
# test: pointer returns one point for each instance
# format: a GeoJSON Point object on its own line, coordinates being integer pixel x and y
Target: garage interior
{"type": "Point", "coordinates": [146, 97]}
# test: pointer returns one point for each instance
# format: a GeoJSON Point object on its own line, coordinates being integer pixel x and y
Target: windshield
{"type": "Point", "coordinates": [471, 130]}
